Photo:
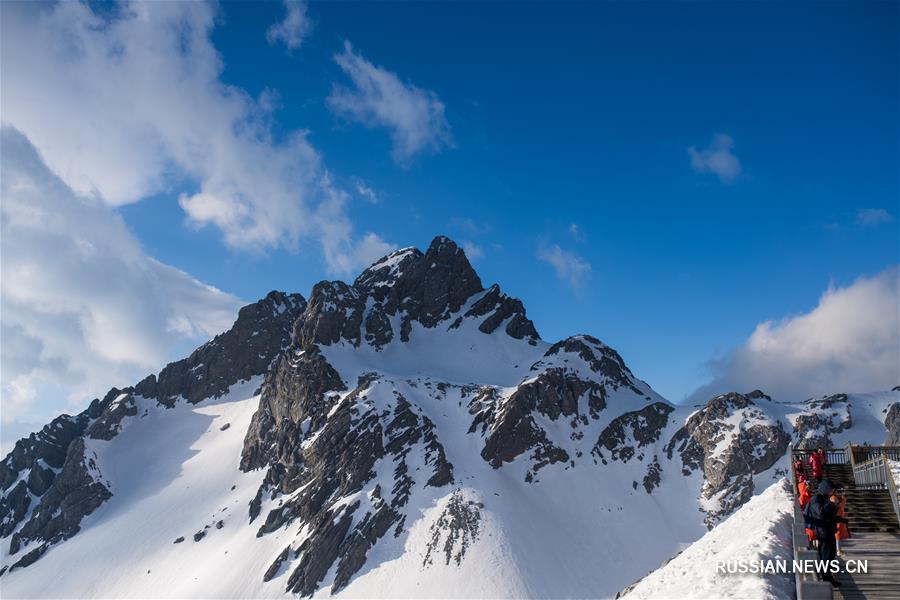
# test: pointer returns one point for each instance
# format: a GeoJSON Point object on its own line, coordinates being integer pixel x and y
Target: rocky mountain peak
{"type": "Point", "coordinates": [405, 288]}
{"type": "Point", "coordinates": [383, 273]}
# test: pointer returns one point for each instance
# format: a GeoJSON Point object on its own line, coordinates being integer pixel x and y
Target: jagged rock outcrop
{"type": "Point", "coordinates": [822, 418]}
{"type": "Point", "coordinates": [51, 480]}
{"type": "Point", "coordinates": [73, 494]}
{"type": "Point", "coordinates": [408, 287]}
{"type": "Point", "coordinates": [730, 439]}
{"type": "Point", "coordinates": [308, 428]}
{"type": "Point", "coordinates": [629, 433]}
{"type": "Point", "coordinates": [258, 335]}
{"type": "Point", "coordinates": [454, 531]}
{"type": "Point", "coordinates": [326, 460]}
{"type": "Point", "coordinates": [574, 379]}
{"type": "Point", "coordinates": [400, 414]}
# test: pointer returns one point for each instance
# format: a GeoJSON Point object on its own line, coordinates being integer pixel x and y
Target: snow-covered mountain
{"type": "Point", "coordinates": [409, 434]}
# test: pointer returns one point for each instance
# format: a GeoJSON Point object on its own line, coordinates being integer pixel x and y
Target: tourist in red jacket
{"type": "Point", "coordinates": [817, 463]}
{"type": "Point", "coordinates": [802, 491]}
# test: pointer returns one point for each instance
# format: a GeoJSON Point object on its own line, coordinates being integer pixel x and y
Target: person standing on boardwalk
{"type": "Point", "coordinates": [817, 464]}
{"type": "Point", "coordinates": [802, 491]}
{"type": "Point", "coordinates": [822, 515]}
{"type": "Point", "coordinates": [843, 531]}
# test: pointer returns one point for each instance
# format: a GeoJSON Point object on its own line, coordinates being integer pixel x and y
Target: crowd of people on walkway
{"type": "Point", "coordinates": [823, 506]}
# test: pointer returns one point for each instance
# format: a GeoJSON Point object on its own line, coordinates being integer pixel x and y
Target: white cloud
{"type": "Point", "coordinates": [850, 342]}
{"type": "Point", "coordinates": [414, 117]}
{"type": "Point", "coordinates": [83, 307]}
{"type": "Point", "coordinates": [717, 158]}
{"type": "Point", "coordinates": [569, 267]}
{"type": "Point", "coordinates": [295, 26]}
{"type": "Point", "coordinates": [352, 258]}
{"type": "Point", "coordinates": [130, 104]}
{"type": "Point", "coordinates": [871, 217]}
{"type": "Point", "coordinates": [577, 232]}
{"type": "Point", "coordinates": [365, 191]}
{"type": "Point", "coordinates": [473, 251]}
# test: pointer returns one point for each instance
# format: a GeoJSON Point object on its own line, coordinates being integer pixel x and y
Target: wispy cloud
{"type": "Point", "coordinates": [717, 158]}
{"type": "Point", "coordinates": [577, 232]}
{"type": "Point", "coordinates": [293, 29]}
{"type": "Point", "coordinates": [378, 98]}
{"type": "Point", "coordinates": [570, 267]}
{"type": "Point", "coordinates": [871, 217]}
{"type": "Point", "coordinates": [141, 106]}
{"type": "Point", "coordinates": [82, 307]}
{"type": "Point", "coordinates": [473, 251]}
{"type": "Point", "coordinates": [365, 191]}
{"type": "Point", "coordinates": [850, 342]}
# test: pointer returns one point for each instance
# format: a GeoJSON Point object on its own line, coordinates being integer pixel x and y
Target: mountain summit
{"type": "Point", "coordinates": [409, 434]}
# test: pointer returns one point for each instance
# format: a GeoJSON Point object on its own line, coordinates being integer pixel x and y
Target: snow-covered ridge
{"type": "Point", "coordinates": [406, 435]}
{"type": "Point", "coordinates": [759, 530]}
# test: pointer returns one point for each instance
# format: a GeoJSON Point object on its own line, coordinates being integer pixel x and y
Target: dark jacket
{"type": "Point", "coordinates": [821, 514]}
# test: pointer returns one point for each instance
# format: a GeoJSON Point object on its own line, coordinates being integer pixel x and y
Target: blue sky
{"type": "Point", "coordinates": [665, 176]}
{"type": "Point", "coordinates": [582, 113]}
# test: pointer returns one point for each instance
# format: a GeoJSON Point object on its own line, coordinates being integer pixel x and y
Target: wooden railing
{"type": "Point", "coordinates": [834, 456]}
{"type": "Point", "coordinates": [864, 453]}
{"type": "Point", "coordinates": [875, 474]}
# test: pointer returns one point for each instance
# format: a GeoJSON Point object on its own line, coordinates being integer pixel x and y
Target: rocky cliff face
{"type": "Point", "coordinates": [50, 480]}
{"type": "Point", "coordinates": [324, 440]}
{"type": "Point", "coordinates": [892, 424]}
{"type": "Point", "coordinates": [821, 421]}
{"type": "Point", "coordinates": [731, 439]}
{"type": "Point", "coordinates": [412, 412]}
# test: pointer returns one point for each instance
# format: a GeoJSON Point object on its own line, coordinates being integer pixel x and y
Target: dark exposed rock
{"type": "Point", "coordinates": [258, 335]}
{"type": "Point", "coordinates": [652, 478]}
{"type": "Point", "coordinates": [118, 404]}
{"type": "Point", "coordinates": [74, 494]}
{"type": "Point", "coordinates": [319, 551]}
{"type": "Point", "coordinates": [428, 288]}
{"type": "Point", "coordinates": [14, 507]}
{"type": "Point", "coordinates": [52, 463]}
{"type": "Point", "coordinates": [355, 547]}
{"type": "Point", "coordinates": [178, 540]}
{"type": "Point", "coordinates": [730, 439]}
{"type": "Point", "coordinates": [436, 285]}
{"type": "Point", "coordinates": [823, 418]}
{"type": "Point", "coordinates": [601, 359]}
{"type": "Point", "coordinates": [29, 557]}
{"type": "Point", "coordinates": [632, 431]}
{"type": "Point", "coordinates": [892, 424]}
{"type": "Point", "coordinates": [327, 459]}
{"type": "Point", "coordinates": [334, 312]}
{"type": "Point", "coordinates": [295, 390]}
{"type": "Point", "coordinates": [454, 531]}
{"type": "Point", "coordinates": [200, 535]}
{"type": "Point", "coordinates": [225, 426]}
{"type": "Point", "coordinates": [39, 479]}
{"type": "Point", "coordinates": [499, 307]}
{"type": "Point", "coordinates": [513, 430]}
{"type": "Point", "coordinates": [275, 567]}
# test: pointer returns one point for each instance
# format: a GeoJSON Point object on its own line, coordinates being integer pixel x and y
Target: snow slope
{"type": "Point", "coordinates": [759, 530]}
{"type": "Point", "coordinates": [414, 438]}
{"type": "Point", "coordinates": [171, 472]}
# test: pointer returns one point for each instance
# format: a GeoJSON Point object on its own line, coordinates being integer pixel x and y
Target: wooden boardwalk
{"type": "Point", "coordinates": [882, 551]}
